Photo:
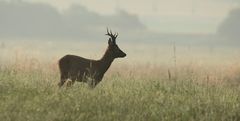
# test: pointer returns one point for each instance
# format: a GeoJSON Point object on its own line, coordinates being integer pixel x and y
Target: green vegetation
{"type": "Point", "coordinates": [34, 96]}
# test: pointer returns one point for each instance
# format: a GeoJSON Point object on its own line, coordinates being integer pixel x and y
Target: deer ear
{"type": "Point", "coordinates": [109, 41]}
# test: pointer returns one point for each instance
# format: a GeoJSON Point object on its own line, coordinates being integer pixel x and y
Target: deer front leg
{"type": "Point", "coordinates": [94, 81]}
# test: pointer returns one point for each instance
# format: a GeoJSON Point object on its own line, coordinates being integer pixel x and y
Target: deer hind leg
{"type": "Point", "coordinates": [62, 80]}
{"type": "Point", "coordinates": [70, 83]}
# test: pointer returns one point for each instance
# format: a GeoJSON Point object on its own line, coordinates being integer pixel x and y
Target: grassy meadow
{"type": "Point", "coordinates": [195, 88]}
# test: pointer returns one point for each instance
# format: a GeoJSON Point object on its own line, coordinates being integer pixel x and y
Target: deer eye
{"type": "Point", "coordinates": [116, 48]}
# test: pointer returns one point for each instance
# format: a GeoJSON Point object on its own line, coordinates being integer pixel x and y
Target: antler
{"type": "Point", "coordinates": [113, 36]}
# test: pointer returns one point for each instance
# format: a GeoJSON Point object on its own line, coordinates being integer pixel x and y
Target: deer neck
{"type": "Point", "coordinates": [106, 61]}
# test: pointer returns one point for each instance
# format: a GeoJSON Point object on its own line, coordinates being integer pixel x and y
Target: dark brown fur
{"type": "Point", "coordinates": [84, 70]}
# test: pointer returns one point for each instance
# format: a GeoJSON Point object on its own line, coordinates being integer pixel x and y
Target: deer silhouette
{"type": "Point", "coordinates": [89, 71]}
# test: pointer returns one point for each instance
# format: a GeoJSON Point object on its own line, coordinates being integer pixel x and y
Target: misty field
{"type": "Point", "coordinates": [127, 93]}
{"type": "Point", "coordinates": [186, 85]}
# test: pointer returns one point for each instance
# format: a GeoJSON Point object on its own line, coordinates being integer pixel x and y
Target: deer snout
{"type": "Point", "coordinates": [123, 54]}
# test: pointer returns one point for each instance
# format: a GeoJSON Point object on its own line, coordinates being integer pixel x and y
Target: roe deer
{"type": "Point", "coordinates": [81, 69]}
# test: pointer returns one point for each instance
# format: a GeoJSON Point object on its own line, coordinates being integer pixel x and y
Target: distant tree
{"type": "Point", "coordinates": [2, 46]}
{"type": "Point", "coordinates": [230, 27]}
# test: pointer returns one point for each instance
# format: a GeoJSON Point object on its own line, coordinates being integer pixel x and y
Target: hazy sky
{"type": "Point", "coordinates": [184, 16]}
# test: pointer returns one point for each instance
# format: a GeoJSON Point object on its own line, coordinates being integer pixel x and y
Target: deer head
{"type": "Point", "coordinates": [113, 48]}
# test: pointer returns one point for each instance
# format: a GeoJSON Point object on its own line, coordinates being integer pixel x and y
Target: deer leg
{"type": "Point", "coordinates": [70, 83]}
{"type": "Point", "coordinates": [93, 83]}
{"type": "Point", "coordinates": [62, 80]}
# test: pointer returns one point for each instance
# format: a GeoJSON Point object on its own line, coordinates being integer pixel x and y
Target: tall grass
{"type": "Point", "coordinates": [127, 93]}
